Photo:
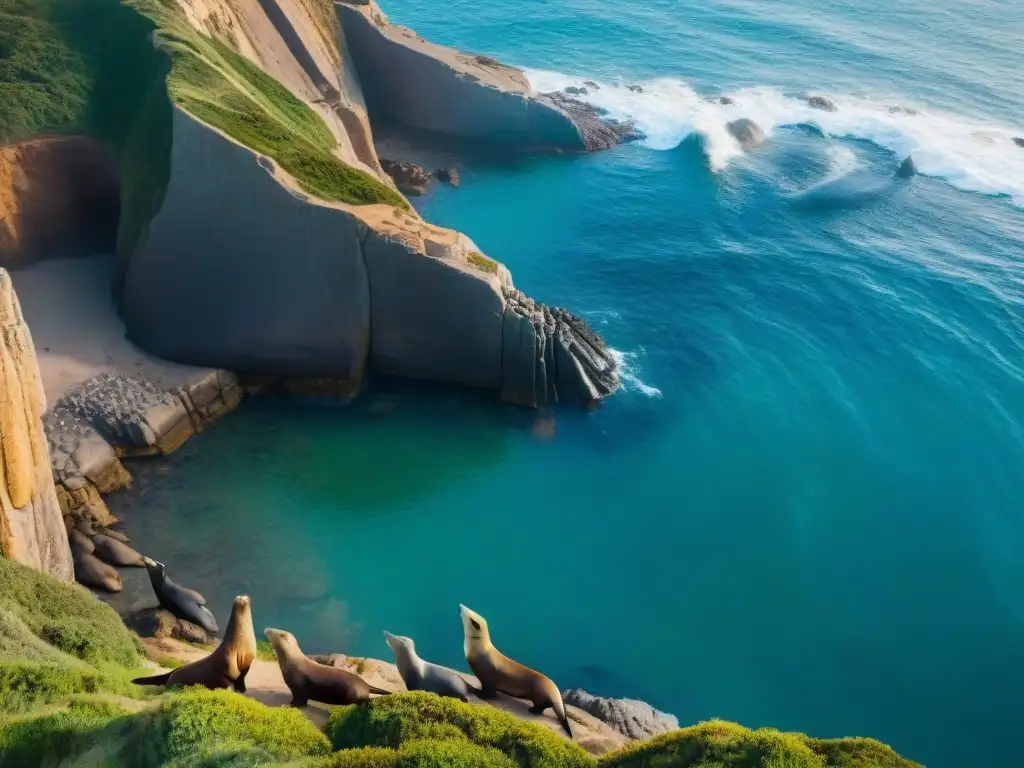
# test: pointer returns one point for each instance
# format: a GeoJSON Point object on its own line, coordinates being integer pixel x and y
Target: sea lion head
{"type": "Point", "coordinates": [157, 571]}
{"type": "Point", "coordinates": [474, 627]}
{"type": "Point", "coordinates": [284, 643]}
{"type": "Point", "coordinates": [400, 645]}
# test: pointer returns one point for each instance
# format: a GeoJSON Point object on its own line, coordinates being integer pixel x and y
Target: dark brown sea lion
{"type": "Point", "coordinates": [112, 551]}
{"type": "Point", "coordinates": [182, 602]}
{"type": "Point", "coordinates": [93, 572]}
{"type": "Point", "coordinates": [80, 541]}
{"type": "Point", "coordinates": [498, 672]}
{"type": "Point", "coordinates": [228, 665]}
{"type": "Point", "coordinates": [310, 681]}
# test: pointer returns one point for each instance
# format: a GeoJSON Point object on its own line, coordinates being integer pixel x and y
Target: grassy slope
{"type": "Point", "coordinates": [66, 699]}
{"type": "Point", "coordinates": [69, 66]}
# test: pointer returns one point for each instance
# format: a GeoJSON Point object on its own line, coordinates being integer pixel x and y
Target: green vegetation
{"type": "Point", "coordinates": [265, 651]}
{"type": "Point", "coordinates": [91, 68]}
{"type": "Point", "coordinates": [422, 754]}
{"type": "Point", "coordinates": [26, 685]}
{"type": "Point", "coordinates": [717, 744]}
{"type": "Point", "coordinates": [396, 720]}
{"type": "Point", "coordinates": [480, 261]}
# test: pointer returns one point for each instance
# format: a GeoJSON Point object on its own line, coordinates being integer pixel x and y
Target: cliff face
{"type": "Point", "coordinates": [31, 527]}
{"type": "Point", "coordinates": [417, 83]}
{"type": "Point", "coordinates": [242, 270]}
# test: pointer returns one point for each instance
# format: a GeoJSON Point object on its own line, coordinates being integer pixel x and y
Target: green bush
{"type": "Point", "coordinates": [717, 744]}
{"type": "Point", "coordinates": [392, 721]}
{"type": "Point", "coordinates": [51, 738]}
{"type": "Point", "coordinates": [25, 685]}
{"type": "Point", "coordinates": [421, 754]}
{"type": "Point", "coordinates": [480, 261]}
{"type": "Point", "coordinates": [66, 617]}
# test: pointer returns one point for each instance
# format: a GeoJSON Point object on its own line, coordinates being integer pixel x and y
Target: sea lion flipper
{"type": "Point", "coordinates": [298, 701]}
{"type": "Point", "coordinates": [539, 709]}
{"type": "Point", "coordinates": [379, 691]}
{"type": "Point", "coordinates": [487, 694]}
{"type": "Point", "coordinates": [240, 681]}
{"type": "Point", "coordinates": [154, 680]}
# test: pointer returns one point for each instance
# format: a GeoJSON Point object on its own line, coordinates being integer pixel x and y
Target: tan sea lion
{"type": "Point", "coordinates": [80, 541]}
{"type": "Point", "coordinates": [228, 665]}
{"type": "Point", "coordinates": [497, 672]}
{"type": "Point", "coordinates": [109, 550]}
{"type": "Point", "coordinates": [310, 681]}
{"type": "Point", "coordinates": [93, 572]}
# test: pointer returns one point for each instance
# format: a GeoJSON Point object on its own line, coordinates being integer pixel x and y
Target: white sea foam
{"type": "Point", "coordinates": [972, 154]}
{"type": "Point", "coordinates": [628, 371]}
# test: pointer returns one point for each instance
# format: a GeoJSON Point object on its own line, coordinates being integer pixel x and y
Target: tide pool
{"type": "Point", "coordinates": [804, 510]}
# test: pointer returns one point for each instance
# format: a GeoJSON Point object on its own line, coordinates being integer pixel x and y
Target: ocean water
{"type": "Point", "coordinates": [806, 508]}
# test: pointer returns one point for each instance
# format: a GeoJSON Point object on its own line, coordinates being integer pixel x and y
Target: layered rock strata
{"type": "Point", "coordinates": [632, 718]}
{"type": "Point", "coordinates": [240, 271]}
{"type": "Point", "coordinates": [413, 82]}
{"type": "Point", "coordinates": [31, 530]}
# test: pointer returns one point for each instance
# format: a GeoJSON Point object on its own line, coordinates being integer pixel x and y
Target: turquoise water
{"type": "Point", "coordinates": [804, 510]}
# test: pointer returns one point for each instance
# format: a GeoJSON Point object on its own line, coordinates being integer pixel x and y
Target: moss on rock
{"type": "Point", "coordinates": [395, 720]}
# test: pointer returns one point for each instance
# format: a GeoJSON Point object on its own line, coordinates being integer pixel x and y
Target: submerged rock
{"type": "Point", "coordinates": [898, 110]}
{"type": "Point", "coordinates": [907, 169]}
{"type": "Point", "coordinates": [630, 717]}
{"type": "Point", "coordinates": [820, 102]}
{"type": "Point", "coordinates": [572, 90]}
{"type": "Point", "coordinates": [408, 177]}
{"type": "Point", "coordinates": [592, 85]}
{"type": "Point", "coordinates": [448, 176]}
{"type": "Point", "coordinates": [726, 100]}
{"type": "Point", "coordinates": [748, 133]}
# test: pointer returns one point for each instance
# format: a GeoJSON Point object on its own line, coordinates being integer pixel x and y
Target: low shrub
{"type": "Point", "coordinates": [392, 721]}
{"type": "Point", "coordinates": [26, 685]}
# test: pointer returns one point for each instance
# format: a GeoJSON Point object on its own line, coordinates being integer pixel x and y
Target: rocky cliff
{"type": "Point", "coordinates": [417, 83]}
{"type": "Point", "coordinates": [31, 528]}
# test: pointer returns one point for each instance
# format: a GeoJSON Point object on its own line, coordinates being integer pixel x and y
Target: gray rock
{"type": "Point", "coordinates": [907, 169]}
{"type": "Point", "coordinates": [1019, 141]}
{"type": "Point", "coordinates": [897, 110]}
{"type": "Point", "coordinates": [592, 85]}
{"type": "Point", "coordinates": [630, 717]}
{"type": "Point", "coordinates": [572, 90]}
{"type": "Point", "coordinates": [636, 88]}
{"type": "Point", "coordinates": [726, 100]}
{"type": "Point", "coordinates": [448, 176]}
{"type": "Point", "coordinates": [408, 177]}
{"type": "Point", "coordinates": [161, 624]}
{"type": "Point", "coordinates": [748, 133]}
{"type": "Point", "coordinates": [597, 133]}
{"type": "Point", "coordinates": [820, 102]}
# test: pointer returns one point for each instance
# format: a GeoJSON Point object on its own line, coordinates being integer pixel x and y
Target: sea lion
{"type": "Point", "coordinates": [117, 535]}
{"type": "Point", "coordinates": [112, 551]}
{"type": "Point", "coordinates": [310, 681]}
{"type": "Point", "coordinates": [78, 540]}
{"type": "Point", "coordinates": [228, 665]}
{"type": "Point", "coordinates": [420, 675]}
{"type": "Point", "coordinates": [497, 672]}
{"type": "Point", "coordinates": [184, 603]}
{"type": "Point", "coordinates": [93, 572]}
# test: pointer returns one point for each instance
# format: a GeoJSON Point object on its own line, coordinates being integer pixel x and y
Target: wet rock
{"type": "Point", "coordinates": [597, 133]}
{"type": "Point", "coordinates": [592, 85]}
{"type": "Point", "coordinates": [572, 90]}
{"type": "Point", "coordinates": [408, 177]}
{"type": "Point", "coordinates": [907, 169]}
{"type": "Point", "coordinates": [636, 89]}
{"type": "Point", "coordinates": [820, 102]}
{"type": "Point", "coordinates": [626, 129]}
{"type": "Point", "coordinates": [1019, 141]}
{"type": "Point", "coordinates": [898, 110]}
{"type": "Point", "coordinates": [726, 100]}
{"type": "Point", "coordinates": [630, 717]}
{"type": "Point", "coordinates": [448, 176]}
{"type": "Point", "coordinates": [161, 624]}
{"type": "Point", "coordinates": [748, 133]}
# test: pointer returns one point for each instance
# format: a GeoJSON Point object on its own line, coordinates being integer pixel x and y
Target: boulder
{"type": "Point", "coordinates": [408, 177]}
{"type": "Point", "coordinates": [448, 176]}
{"type": "Point", "coordinates": [630, 717]}
{"type": "Point", "coordinates": [907, 168]}
{"type": "Point", "coordinates": [820, 102]}
{"type": "Point", "coordinates": [748, 133]}
{"type": "Point", "coordinates": [572, 90]}
{"type": "Point", "coordinates": [726, 100]}
{"type": "Point", "coordinates": [592, 85]}
{"type": "Point", "coordinates": [1019, 141]}
{"type": "Point", "coordinates": [161, 624]}
{"type": "Point", "coordinates": [636, 88]}
{"type": "Point", "coordinates": [32, 528]}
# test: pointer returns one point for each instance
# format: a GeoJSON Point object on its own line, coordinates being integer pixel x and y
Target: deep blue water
{"type": "Point", "coordinates": [805, 510]}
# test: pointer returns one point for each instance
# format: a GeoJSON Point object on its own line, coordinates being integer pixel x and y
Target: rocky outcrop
{"type": "Point", "coordinates": [448, 176]}
{"type": "Point", "coordinates": [336, 287]}
{"type": "Point", "coordinates": [630, 717]}
{"type": "Point", "coordinates": [408, 177]}
{"type": "Point", "coordinates": [160, 624]}
{"type": "Point", "coordinates": [111, 416]}
{"type": "Point", "coordinates": [551, 356]}
{"type": "Point", "coordinates": [748, 133]}
{"type": "Point", "coordinates": [597, 132]}
{"type": "Point", "coordinates": [907, 169]}
{"type": "Point", "coordinates": [58, 196]}
{"type": "Point", "coordinates": [822, 103]}
{"type": "Point", "coordinates": [31, 529]}
{"type": "Point", "coordinates": [1019, 141]}
{"type": "Point", "coordinates": [412, 82]}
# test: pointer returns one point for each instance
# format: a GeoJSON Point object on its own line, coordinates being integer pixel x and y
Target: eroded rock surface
{"type": "Point", "coordinates": [630, 717]}
{"type": "Point", "coordinates": [32, 531]}
{"type": "Point", "coordinates": [748, 133]}
{"type": "Point", "coordinates": [408, 177]}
